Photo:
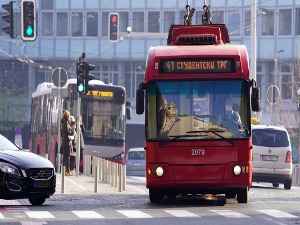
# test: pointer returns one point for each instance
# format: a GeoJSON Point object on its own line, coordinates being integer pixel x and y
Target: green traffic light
{"type": "Point", "coordinates": [80, 88]}
{"type": "Point", "coordinates": [29, 31]}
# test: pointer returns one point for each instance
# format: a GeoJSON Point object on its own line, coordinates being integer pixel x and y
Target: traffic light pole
{"type": "Point", "coordinates": [59, 135]}
{"type": "Point", "coordinates": [78, 135]}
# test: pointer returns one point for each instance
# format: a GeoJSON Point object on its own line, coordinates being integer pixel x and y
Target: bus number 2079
{"type": "Point", "coordinates": [198, 151]}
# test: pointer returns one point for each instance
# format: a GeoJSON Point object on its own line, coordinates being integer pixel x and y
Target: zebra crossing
{"type": "Point", "coordinates": [15, 213]}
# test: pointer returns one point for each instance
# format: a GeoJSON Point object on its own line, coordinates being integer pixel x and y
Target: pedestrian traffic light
{"type": "Point", "coordinates": [9, 18]}
{"type": "Point", "coordinates": [113, 27]}
{"type": "Point", "coordinates": [28, 21]}
{"type": "Point", "coordinates": [88, 76]}
{"type": "Point", "coordinates": [80, 68]}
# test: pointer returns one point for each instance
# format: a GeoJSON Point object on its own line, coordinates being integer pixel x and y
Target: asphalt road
{"type": "Point", "coordinates": [267, 205]}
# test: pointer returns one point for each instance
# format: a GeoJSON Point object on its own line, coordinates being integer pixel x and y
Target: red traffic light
{"type": "Point", "coordinates": [113, 27]}
{"type": "Point", "coordinates": [114, 19]}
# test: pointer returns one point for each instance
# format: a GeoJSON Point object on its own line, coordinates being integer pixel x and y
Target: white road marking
{"type": "Point", "coordinates": [134, 214]}
{"type": "Point", "coordinates": [181, 213]}
{"type": "Point", "coordinates": [83, 188]}
{"type": "Point", "coordinates": [229, 213]}
{"type": "Point", "coordinates": [139, 178]}
{"type": "Point", "coordinates": [39, 214]}
{"type": "Point", "coordinates": [9, 202]}
{"type": "Point", "coordinates": [87, 214]}
{"type": "Point", "coordinates": [33, 223]}
{"type": "Point", "coordinates": [277, 213]}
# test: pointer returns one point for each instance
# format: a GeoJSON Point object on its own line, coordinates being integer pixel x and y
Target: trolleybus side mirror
{"type": "Point", "coordinates": [255, 99]}
{"type": "Point", "coordinates": [139, 101]}
{"type": "Point", "coordinates": [128, 113]}
{"type": "Point", "coordinates": [128, 110]}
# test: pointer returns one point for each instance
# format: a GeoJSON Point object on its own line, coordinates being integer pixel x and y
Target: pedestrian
{"type": "Point", "coordinates": [72, 138]}
{"type": "Point", "coordinates": [81, 139]}
{"type": "Point", "coordinates": [66, 144]}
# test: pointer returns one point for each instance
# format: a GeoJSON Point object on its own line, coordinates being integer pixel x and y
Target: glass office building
{"type": "Point", "coordinates": [67, 28]}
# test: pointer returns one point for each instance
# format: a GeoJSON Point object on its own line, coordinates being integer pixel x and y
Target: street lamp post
{"type": "Point", "coordinates": [276, 74]}
{"type": "Point", "coordinates": [276, 77]}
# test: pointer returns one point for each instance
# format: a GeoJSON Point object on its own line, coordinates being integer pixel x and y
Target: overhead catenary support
{"type": "Point", "coordinates": [253, 41]}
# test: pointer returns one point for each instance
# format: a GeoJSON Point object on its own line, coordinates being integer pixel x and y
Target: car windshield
{"type": "Point", "coordinates": [270, 138]}
{"type": "Point", "coordinates": [136, 155]}
{"type": "Point", "coordinates": [6, 144]}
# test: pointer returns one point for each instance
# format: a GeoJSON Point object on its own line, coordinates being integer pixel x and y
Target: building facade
{"type": "Point", "coordinates": [67, 28]}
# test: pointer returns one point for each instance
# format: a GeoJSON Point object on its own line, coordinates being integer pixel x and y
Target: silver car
{"type": "Point", "coordinates": [136, 162]}
{"type": "Point", "coordinates": [272, 155]}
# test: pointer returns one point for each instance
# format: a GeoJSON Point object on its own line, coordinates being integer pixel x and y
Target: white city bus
{"type": "Point", "coordinates": [103, 112]}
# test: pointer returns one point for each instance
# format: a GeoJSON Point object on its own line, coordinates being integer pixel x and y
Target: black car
{"type": "Point", "coordinates": [24, 174]}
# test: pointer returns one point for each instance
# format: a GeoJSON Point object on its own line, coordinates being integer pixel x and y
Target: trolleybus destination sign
{"type": "Point", "coordinates": [194, 65]}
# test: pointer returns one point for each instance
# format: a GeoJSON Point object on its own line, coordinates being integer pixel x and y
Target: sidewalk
{"type": "Point", "coordinates": [85, 185]}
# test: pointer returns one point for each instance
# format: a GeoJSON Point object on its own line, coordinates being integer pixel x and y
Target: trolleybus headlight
{"type": "Point", "coordinates": [237, 170]}
{"type": "Point", "coordinates": [159, 171]}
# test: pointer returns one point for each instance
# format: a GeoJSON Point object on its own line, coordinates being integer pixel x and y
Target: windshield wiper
{"type": "Point", "coordinates": [214, 131]}
{"type": "Point", "coordinates": [175, 137]}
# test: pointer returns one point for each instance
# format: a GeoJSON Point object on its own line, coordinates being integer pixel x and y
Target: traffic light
{"type": "Point", "coordinates": [113, 27]}
{"type": "Point", "coordinates": [28, 21]}
{"type": "Point", "coordinates": [9, 18]}
{"type": "Point", "coordinates": [88, 76]}
{"type": "Point", "coordinates": [80, 72]}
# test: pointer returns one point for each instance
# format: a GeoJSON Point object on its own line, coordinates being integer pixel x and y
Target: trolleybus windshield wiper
{"type": "Point", "coordinates": [175, 137]}
{"type": "Point", "coordinates": [214, 131]}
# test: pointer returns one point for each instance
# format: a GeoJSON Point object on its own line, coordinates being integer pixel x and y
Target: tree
{"type": "Point", "coordinates": [13, 100]}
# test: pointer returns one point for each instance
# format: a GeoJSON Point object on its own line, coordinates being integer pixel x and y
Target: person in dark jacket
{"type": "Point", "coordinates": [66, 130]}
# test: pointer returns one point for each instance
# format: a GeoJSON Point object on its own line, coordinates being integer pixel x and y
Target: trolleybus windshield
{"type": "Point", "coordinates": [198, 109]}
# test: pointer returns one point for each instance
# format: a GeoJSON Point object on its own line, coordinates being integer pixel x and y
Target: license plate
{"type": "Point", "coordinates": [41, 183]}
{"type": "Point", "coordinates": [137, 164]}
{"type": "Point", "coordinates": [273, 158]}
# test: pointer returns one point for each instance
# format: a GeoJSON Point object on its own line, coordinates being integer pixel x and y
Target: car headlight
{"type": "Point", "coordinates": [8, 168]}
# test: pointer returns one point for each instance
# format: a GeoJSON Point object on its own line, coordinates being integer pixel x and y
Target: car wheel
{"type": "Point", "coordinates": [275, 185]}
{"type": "Point", "coordinates": [37, 200]}
{"type": "Point", "coordinates": [155, 195]}
{"type": "Point", "coordinates": [243, 195]}
{"type": "Point", "coordinates": [288, 184]}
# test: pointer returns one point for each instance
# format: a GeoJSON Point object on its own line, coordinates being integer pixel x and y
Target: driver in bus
{"type": "Point", "coordinates": [231, 119]}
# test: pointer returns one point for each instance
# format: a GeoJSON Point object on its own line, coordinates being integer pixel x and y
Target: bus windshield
{"type": "Point", "coordinates": [194, 109]}
{"type": "Point", "coordinates": [104, 120]}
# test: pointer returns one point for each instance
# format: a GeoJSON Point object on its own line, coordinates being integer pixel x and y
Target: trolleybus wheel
{"type": "Point", "coordinates": [243, 195]}
{"type": "Point", "coordinates": [155, 195]}
{"type": "Point", "coordinates": [230, 194]}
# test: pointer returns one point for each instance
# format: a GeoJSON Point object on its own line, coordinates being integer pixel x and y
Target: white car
{"type": "Point", "coordinates": [136, 161]}
{"type": "Point", "coordinates": [272, 155]}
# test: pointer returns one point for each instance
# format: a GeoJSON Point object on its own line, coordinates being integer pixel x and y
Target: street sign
{"type": "Point", "coordinates": [62, 92]}
{"type": "Point", "coordinates": [59, 73]}
{"type": "Point", "coordinates": [273, 94]}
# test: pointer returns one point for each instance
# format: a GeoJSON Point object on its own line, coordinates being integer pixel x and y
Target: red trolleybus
{"type": "Point", "coordinates": [193, 146]}
{"type": "Point", "coordinates": [103, 115]}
